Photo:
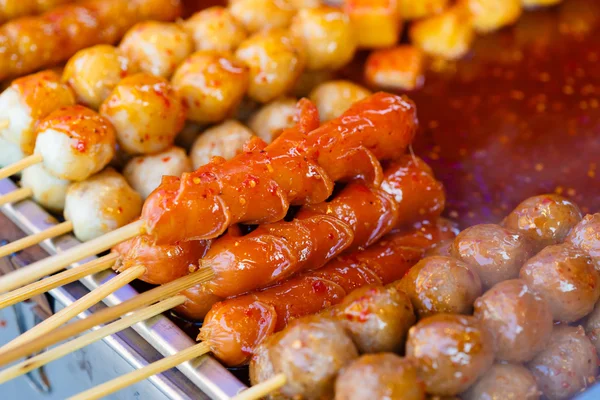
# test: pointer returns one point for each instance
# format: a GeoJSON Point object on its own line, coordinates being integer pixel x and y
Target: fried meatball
{"type": "Point", "coordinates": [257, 15]}
{"type": "Point", "coordinates": [568, 365]}
{"type": "Point", "coordinates": [504, 381]}
{"type": "Point", "coordinates": [310, 352]}
{"type": "Point", "coordinates": [75, 142]}
{"type": "Point", "coordinates": [586, 236]}
{"type": "Point", "coordinates": [333, 98]}
{"type": "Point", "coordinates": [212, 84]}
{"type": "Point", "coordinates": [273, 118]}
{"type": "Point", "coordinates": [440, 249]}
{"type": "Point", "coordinates": [565, 276]}
{"type": "Point", "coordinates": [327, 36]}
{"type": "Point", "coordinates": [223, 140]}
{"type": "Point", "coordinates": [441, 285]}
{"type": "Point", "coordinates": [379, 376]}
{"type": "Point", "coordinates": [592, 326]}
{"type": "Point", "coordinates": [156, 48]}
{"type": "Point", "coordinates": [214, 28]}
{"type": "Point", "coordinates": [519, 320]}
{"type": "Point", "coordinates": [100, 204]}
{"type": "Point", "coordinates": [451, 351]}
{"type": "Point", "coordinates": [376, 318]}
{"type": "Point", "coordinates": [48, 191]}
{"type": "Point", "coordinates": [144, 173]}
{"type": "Point", "coordinates": [146, 112]}
{"type": "Point", "coordinates": [546, 219]}
{"type": "Point", "coordinates": [93, 73]}
{"type": "Point", "coordinates": [275, 59]}
{"type": "Point", "coordinates": [494, 252]}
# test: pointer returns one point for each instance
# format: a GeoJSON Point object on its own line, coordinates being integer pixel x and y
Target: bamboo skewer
{"type": "Point", "coordinates": [262, 389]}
{"type": "Point", "coordinates": [77, 307]}
{"type": "Point", "coordinates": [16, 196]}
{"type": "Point", "coordinates": [20, 165]}
{"type": "Point", "coordinates": [143, 373]}
{"type": "Point", "coordinates": [36, 238]}
{"type": "Point", "coordinates": [107, 315]}
{"type": "Point", "coordinates": [50, 265]}
{"type": "Point", "coordinates": [89, 338]}
{"type": "Point", "coordinates": [51, 282]}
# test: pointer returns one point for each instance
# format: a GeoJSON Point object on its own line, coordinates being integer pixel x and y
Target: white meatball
{"type": "Point", "coordinates": [48, 191]}
{"type": "Point", "coordinates": [224, 140]}
{"type": "Point", "coordinates": [270, 120]}
{"type": "Point", "coordinates": [333, 98]}
{"type": "Point", "coordinates": [144, 173]}
{"type": "Point", "coordinates": [9, 153]}
{"type": "Point", "coordinates": [75, 142]}
{"type": "Point", "coordinates": [100, 204]}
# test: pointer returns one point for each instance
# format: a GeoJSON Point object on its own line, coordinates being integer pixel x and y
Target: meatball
{"type": "Point", "coordinates": [327, 36]}
{"type": "Point", "coordinates": [164, 263]}
{"type": "Point", "coordinates": [258, 15]}
{"type": "Point", "coordinates": [48, 191]}
{"type": "Point", "coordinates": [379, 376]}
{"type": "Point", "coordinates": [214, 28]}
{"type": "Point", "coordinates": [275, 59]}
{"type": "Point", "coordinates": [494, 252]}
{"type": "Point", "coordinates": [567, 365]}
{"type": "Point", "coordinates": [93, 73]}
{"type": "Point", "coordinates": [440, 249]}
{"type": "Point", "coordinates": [310, 352]}
{"type": "Point", "coordinates": [333, 98]}
{"type": "Point", "coordinates": [212, 84]}
{"type": "Point", "coordinates": [144, 173]}
{"type": "Point", "coordinates": [147, 113]}
{"type": "Point", "coordinates": [156, 48]}
{"type": "Point", "coordinates": [441, 285]}
{"type": "Point", "coordinates": [376, 318]}
{"type": "Point", "coordinates": [504, 381]}
{"type": "Point", "coordinates": [224, 140]}
{"type": "Point", "coordinates": [100, 204]}
{"type": "Point", "coordinates": [451, 351]}
{"type": "Point", "coordinates": [592, 326]}
{"type": "Point", "coordinates": [565, 276]}
{"type": "Point", "coordinates": [197, 304]}
{"type": "Point", "coordinates": [26, 101]}
{"type": "Point", "coordinates": [75, 142]}
{"type": "Point", "coordinates": [272, 118]}
{"type": "Point", "coordinates": [546, 219]}
{"type": "Point", "coordinates": [586, 236]}
{"type": "Point", "coordinates": [519, 320]}
{"type": "Point", "coordinates": [10, 152]}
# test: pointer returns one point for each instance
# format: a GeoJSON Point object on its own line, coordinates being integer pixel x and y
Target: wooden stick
{"type": "Point", "coordinates": [36, 238]}
{"type": "Point", "coordinates": [4, 123]}
{"type": "Point", "coordinates": [20, 165]}
{"type": "Point", "coordinates": [138, 375]}
{"type": "Point", "coordinates": [50, 265]}
{"type": "Point", "coordinates": [16, 196]}
{"type": "Point", "coordinates": [54, 281]}
{"type": "Point", "coordinates": [77, 307]}
{"type": "Point", "coordinates": [89, 338]}
{"type": "Point", "coordinates": [108, 314]}
{"type": "Point", "coordinates": [262, 389]}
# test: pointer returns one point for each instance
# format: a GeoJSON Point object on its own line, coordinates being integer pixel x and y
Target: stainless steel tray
{"type": "Point", "coordinates": [162, 334]}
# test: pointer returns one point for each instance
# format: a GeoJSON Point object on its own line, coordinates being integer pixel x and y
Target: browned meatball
{"type": "Point", "coordinates": [592, 326]}
{"type": "Point", "coordinates": [546, 219]}
{"type": "Point", "coordinates": [452, 352]}
{"type": "Point", "coordinates": [494, 252]}
{"type": "Point", "coordinates": [441, 284]}
{"type": "Point", "coordinates": [504, 381]}
{"type": "Point", "coordinates": [566, 278]}
{"type": "Point", "coordinates": [519, 320]}
{"type": "Point", "coordinates": [310, 352]}
{"type": "Point", "coordinates": [379, 376]}
{"type": "Point", "coordinates": [376, 318]}
{"type": "Point", "coordinates": [440, 249]}
{"type": "Point", "coordinates": [586, 236]}
{"type": "Point", "coordinates": [567, 365]}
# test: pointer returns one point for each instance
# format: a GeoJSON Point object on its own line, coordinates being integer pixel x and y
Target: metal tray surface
{"type": "Point", "coordinates": [215, 381]}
